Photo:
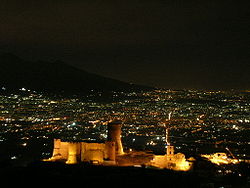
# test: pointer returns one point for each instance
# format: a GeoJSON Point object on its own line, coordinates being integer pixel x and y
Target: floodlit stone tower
{"type": "Point", "coordinates": [170, 148]}
{"type": "Point", "coordinates": [73, 152]}
{"type": "Point", "coordinates": [114, 135]}
{"type": "Point", "coordinates": [56, 151]}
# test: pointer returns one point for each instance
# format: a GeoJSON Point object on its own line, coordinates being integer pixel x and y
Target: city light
{"type": "Point", "coordinates": [193, 125]}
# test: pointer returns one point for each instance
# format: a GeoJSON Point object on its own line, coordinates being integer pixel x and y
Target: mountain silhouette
{"type": "Point", "coordinates": [55, 76]}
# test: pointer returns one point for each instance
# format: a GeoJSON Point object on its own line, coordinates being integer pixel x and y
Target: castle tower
{"type": "Point", "coordinates": [74, 153]}
{"type": "Point", "coordinates": [170, 149]}
{"type": "Point", "coordinates": [114, 135]}
{"type": "Point", "coordinates": [56, 151]}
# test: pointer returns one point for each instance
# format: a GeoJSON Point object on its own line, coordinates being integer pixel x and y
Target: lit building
{"type": "Point", "coordinates": [111, 152]}
{"type": "Point", "coordinates": [170, 160]}
{"type": "Point", "coordinates": [220, 159]}
{"type": "Point", "coordinates": [75, 152]}
{"type": "Point", "coordinates": [97, 153]}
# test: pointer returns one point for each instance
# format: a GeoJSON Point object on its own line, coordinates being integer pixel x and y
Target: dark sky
{"type": "Point", "coordinates": [202, 44]}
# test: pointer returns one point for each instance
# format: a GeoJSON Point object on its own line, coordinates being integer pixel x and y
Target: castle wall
{"type": "Point", "coordinates": [64, 150]}
{"type": "Point", "coordinates": [74, 152]}
{"type": "Point", "coordinates": [74, 149]}
{"type": "Point", "coordinates": [94, 156]}
{"type": "Point", "coordinates": [88, 150]}
{"type": "Point", "coordinates": [159, 161]}
{"type": "Point", "coordinates": [110, 150]}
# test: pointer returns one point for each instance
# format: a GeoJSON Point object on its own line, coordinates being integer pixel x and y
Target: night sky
{"type": "Point", "coordinates": [203, 44]}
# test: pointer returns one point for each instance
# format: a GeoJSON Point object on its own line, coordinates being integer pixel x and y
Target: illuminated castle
{"type": "Point", "coordinates": [98, 153]}
{"type": "Point", "coordinates": [111, 152]}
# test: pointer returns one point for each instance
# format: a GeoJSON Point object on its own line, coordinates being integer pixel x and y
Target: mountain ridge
{"type": "Point", "coordinates": [56, 76]}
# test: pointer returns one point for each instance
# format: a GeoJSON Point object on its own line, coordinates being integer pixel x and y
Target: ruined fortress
{"type": "Point", "coordinates": [111, 152]}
